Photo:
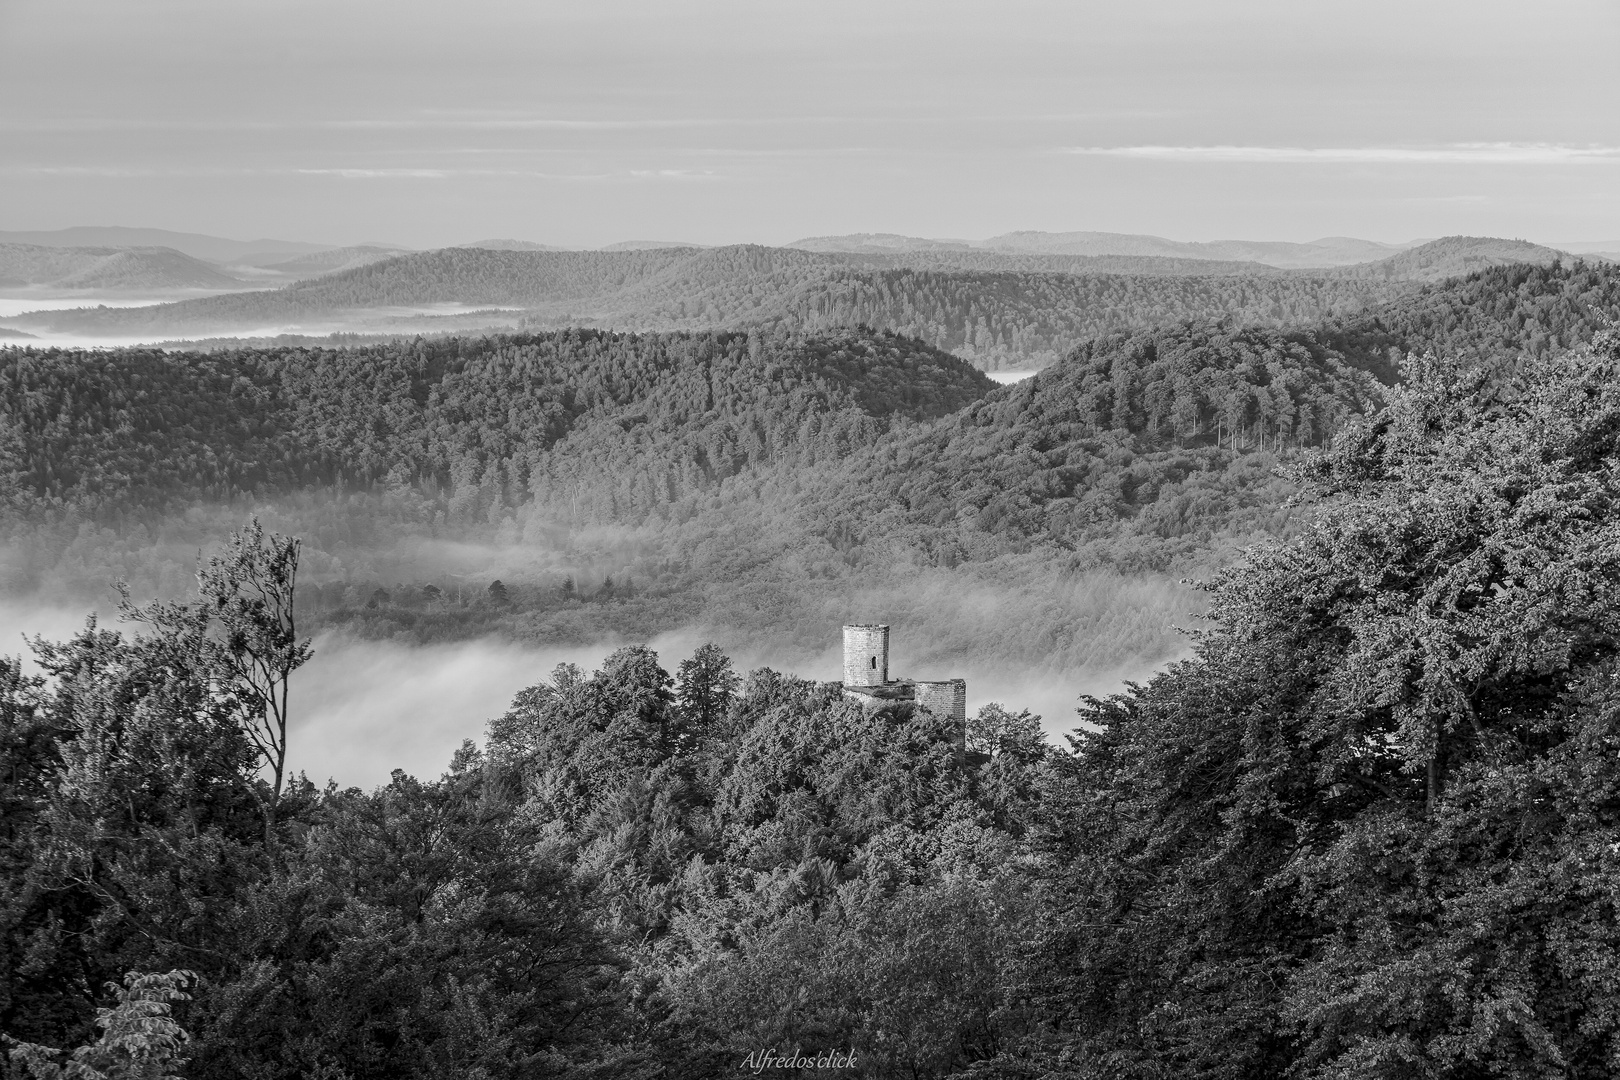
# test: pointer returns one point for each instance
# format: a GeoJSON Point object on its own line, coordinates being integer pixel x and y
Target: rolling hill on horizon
{"type": "Point", "coordinates": [331, 261]}
{"type": "Point", "coordinates": [252, 265]}
{"type": "Point", "coordinates": [106, 269]}
{"type": "Point", "coordinates": [999, 310]}
{"type": "Point", "coordinates": [1452, 256]}
{"type": "Point", "coordinates": [997, 318]}
{"type": "Point", "coordinates": [1315, 254]}
{"type": "Point", "coordinates": [216, 249]}
{"type": "Point", "coordinates": [537, 494]}
{"type": "Point", "coordinates": [725, 471]}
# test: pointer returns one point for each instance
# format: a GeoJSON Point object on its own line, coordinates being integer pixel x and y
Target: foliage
{"type": "Point", "coordinates": [245, 611]}
{"type": "Point", "coordinates": [118, 431]}
{"type": "Point", "coordinates": [1369, 828]}
{"type": "Point", "coordinates": [1363, 831]}
{"type": "Point", "coordinates": [998, 309]}
{"type": "Point", "coordinates": [139, 1038]}
{"type": "Point", "coordinates": [1486, 319]}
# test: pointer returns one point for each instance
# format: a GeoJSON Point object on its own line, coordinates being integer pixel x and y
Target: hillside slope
{"type": "Point", "coordinates": [131, 428]}
{"type": "Point", "coordinates": [773, 482]}
{"type": "Point", "coordinates": [335, 260]}
{"type": "Point", "coordinates": [1000, 310]}
{"type": "Point", "coordinates": [214, 249]}
{"type": "Point", "coordinates": [1495, 317]}
{"type": "Point", "coordinates": [110, 269]}
{"type": "Point", "coordinates": [1316, 254]}
{"type": "Point", "coordinates": [1452, 256]}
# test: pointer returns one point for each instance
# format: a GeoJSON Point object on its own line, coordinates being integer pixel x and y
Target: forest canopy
{"type": "Point", "coordinates": [1366, 828]}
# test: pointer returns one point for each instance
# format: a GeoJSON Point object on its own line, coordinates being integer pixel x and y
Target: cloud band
{"type": "Point", "coordinates": [1452, 154]}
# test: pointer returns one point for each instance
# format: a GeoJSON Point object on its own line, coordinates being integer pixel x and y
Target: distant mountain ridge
{"type": "Point", "coordinates": [214, 249]}
{"type": "Point", "coordinates": [1330, 251]}
{"type": "Point", "coordinates": [1326, 252]}
{"type": "Point", "coordinates": [110, 269]}
{"type": "Point", "coordinates": [998, 309]}
{"type": "Point", "coordinates": [1454, 256]}
{"type": "Point", "coordinates": [995, 317]}
{"type": "Point", "coordinates": [509, 245]}
{"type": "Point", "coordinates": [334, 260]}
{"type": "Point", "coordinates": [878, 243]}
{"type": "Point", "coordinates": [652, 245]}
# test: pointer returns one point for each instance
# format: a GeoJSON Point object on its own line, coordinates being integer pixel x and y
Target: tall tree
{"type": "Point", "coordinates": [705, 685]}
{"type": "Point", "coordinates": [245, 604]}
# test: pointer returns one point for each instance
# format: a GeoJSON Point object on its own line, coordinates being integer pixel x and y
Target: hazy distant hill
{"type": "Point", "coordinates": [1453, 256]}
{"type": "Point", "coordinates": [874, 243]}
{"type": "Point", "coordinates": [110, 269]}
{"type": "Point", "coordinates": [210, 248]}
{"type": "Point", "coordinates": [969, 302]}
{"type": "Point", "coordinates": [459, 275]}
{"type": "Point", "coordinates": [649, 245]}
{"type": "Point", "coordinates": [333, 260]}
{"type": "Point", "coordinates": [1330, 251]}
{"type": "Point", "coordinates": [510, 245]}
{"type": "Point", "coordinates": [997, 318]}
{"type": "Point", "coordinates": [983, 260]}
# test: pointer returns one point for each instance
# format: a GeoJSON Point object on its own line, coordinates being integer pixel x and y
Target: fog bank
{"type": "Point", "coordinates": [364, 708]}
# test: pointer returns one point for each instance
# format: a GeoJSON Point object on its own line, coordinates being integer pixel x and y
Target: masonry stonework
{"type": "Point", "coordinates": [866, 655]}
{"type": "Point", "coordinates": [866, 679]}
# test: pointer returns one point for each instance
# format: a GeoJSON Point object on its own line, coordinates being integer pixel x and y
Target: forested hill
{"type": "Point", "coordinates": [1492, 316]}
{"type": "Point", "coordinates": [769, 481]}
{"type": "Point", "coordinates": [766, 483]}
{"type": "Point", "coordinates": [995, 310]}
{"type": "Point", "coordinates": [1012, 320]}
{"type": "Point", "coordinates": [1135, 450]}
{"type": "Point", "coordinates": [127, 429]}
{"type": "Point", "coordinates": [602, 408]}
{"type": "Point", "coordinates": [1368, 827]}
{"type": "Point", "coordinates": [1452, 256]}
{"type": "Point", "coordinates": [107, 269]}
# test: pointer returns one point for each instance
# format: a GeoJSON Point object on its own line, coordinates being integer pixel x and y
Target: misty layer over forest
{"type": "Point", "coordinates": [1362, 822]}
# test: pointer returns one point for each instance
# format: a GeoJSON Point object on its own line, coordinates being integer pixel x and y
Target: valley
{"type": "Point", "coordinates": [573, 598]}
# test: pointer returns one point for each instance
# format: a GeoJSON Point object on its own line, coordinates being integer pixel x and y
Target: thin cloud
{"type": "Point", "coordinates": [355, 173]}
{"type": "Point", "coordinates": [1451, 154]}
{"type": "Point", "coordinates": [527, 174]}
{"type": "Point", "coordinates": [674, 174]}
{"type": "Point", "coordinates": [379, 174]}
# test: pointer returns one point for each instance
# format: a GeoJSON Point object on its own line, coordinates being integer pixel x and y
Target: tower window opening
{"type": "Point", "coordinates": [874, 663]}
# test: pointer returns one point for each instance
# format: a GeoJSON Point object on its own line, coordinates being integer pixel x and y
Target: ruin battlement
{"type": "Point", "coordinates": [866, 678]}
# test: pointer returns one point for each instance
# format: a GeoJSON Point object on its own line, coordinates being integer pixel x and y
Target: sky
{"type": "Point", "coordinates": [764, 121]}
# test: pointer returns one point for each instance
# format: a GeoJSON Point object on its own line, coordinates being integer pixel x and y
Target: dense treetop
{"type": "Point", "coordinates": [1368, 828]}
{"type": "Point", "coordinates": [1492, 317]}
{"type": "Point", "coordinates": [126, 427]}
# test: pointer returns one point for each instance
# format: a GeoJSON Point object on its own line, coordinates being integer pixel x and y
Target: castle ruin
{"type": "Point", "coordinates": [866, 679]}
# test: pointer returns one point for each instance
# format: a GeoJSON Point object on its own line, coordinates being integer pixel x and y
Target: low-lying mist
{"type": "Point", "coordinates": [416, 651]}
{"type": "Point", "coordinates": [364, 708]}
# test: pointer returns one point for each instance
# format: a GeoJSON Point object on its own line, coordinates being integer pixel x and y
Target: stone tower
{"type": "Point", "coordinates": [866, 655]}
{"type": "Point", "coordinates": [946, 698]}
